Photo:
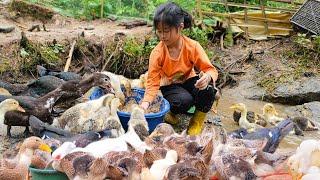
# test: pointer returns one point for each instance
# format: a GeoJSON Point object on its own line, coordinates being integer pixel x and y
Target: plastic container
{"type": "Point", "coordinates": [153, 119]}
{"type": "Point", "coordinates": [47, 174]}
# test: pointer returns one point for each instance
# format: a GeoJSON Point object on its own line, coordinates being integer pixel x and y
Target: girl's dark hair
{"type": "Point", "coordinates": [172, 15]}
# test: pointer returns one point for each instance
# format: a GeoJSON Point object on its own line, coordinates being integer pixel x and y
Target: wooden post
{"type": "Point", "coordinates": [66, 67]}
{"type": "Point", "coordinates": [246, 29]}
{"type": "Point", "coordinates": [102, 7]}
{"type": "Point", "coordinates": [264, 16]}
{"type": "Point", "coordinates": [227, 9]}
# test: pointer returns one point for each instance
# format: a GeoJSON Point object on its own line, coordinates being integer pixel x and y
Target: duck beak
{"type": "Point", "coordinates": [20, 109]}
{"type": "Point", "coordinates": [45, 147]}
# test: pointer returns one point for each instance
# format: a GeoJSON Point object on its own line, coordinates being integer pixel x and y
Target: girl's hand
{"type": "Point", "coordinates": [144, 105]}
{"type": "Point", "coordinates": [204, 81]}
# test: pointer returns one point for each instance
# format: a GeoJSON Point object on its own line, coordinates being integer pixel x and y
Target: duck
{"type": "Point", "coordinates": [123, 164]}
{"type": "Point", "coordinates": [270, 114]}
{"type": "Point", "coordinates": [85, 116]}
{"type": "Point", "coordinates": [40, 107]}
{"type": "Point", "coordinates": [113, 121]}
{"type": "Point", "coordinates": [122, 143]}
{"type": "Point", "coordinates": [301, 123]}
{"type": "Point", "coordinates": [229, 165]}
{"type": "Point", "coordinates": [42, 86]}
{"type": "Point", "coordinates": [66, 76]}
{"type": "Point", "coordinates": [5, 92]}
{"type": "Point", "coordinates": [274, 135]}
{"type": "Point", "coordinates": [130, 84]}
{"type": "Point", "coordinates": [139, 123]}
{"type": "Point", "coordinates": [13, 89]}
{"type": "Point", "coordinates": [305, 160]}
{"type": "Point", "coordinates": [17, 168]}
{"type": "Point", "coordinates": [6, 106]}
{"type": "Point", "coordinates": [46, 131]}
{"type": "Point", "coordinates": [252, 118]}
{"type": "Point", "coordinates": [116, 84]}
{"type": "Point", "coordinates": [159, 167]}
{"type": "Point", "coordinates": [305, 124]}
{"type": "Point", "coordinates": [154, 154]}
{"type": "Point", "coordinates": [243, 121]}
{"type": "Point", "coordinates": [159, 134]}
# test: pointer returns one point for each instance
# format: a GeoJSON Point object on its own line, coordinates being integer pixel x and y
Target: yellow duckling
{"type": "Point", "coordinates": [4, 92]}
{"type": "Point", "coordinates": [243, 121]}
{"type": "Point", "coordinates": [271, 115]}
{"type": "Point", "coordinates": [5, 106]}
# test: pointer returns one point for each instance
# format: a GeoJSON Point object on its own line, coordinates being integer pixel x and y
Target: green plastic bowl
{"type": "Point", "coordinates": [47, 174]}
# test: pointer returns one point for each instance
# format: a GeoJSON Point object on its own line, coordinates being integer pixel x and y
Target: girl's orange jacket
{"type": "Point", "coordinates": [164, 70]}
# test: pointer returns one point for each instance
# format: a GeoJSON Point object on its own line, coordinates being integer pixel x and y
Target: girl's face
{"type": "Point", "coordinates": [167, 34]}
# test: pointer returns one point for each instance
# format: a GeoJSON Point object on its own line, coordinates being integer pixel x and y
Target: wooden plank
{"type": "Point", "coordinates": [257, 25]}
{"type": "Point", "coordinates": [241, 16]}
{"type": "Point", "coordinates": [251, 6]}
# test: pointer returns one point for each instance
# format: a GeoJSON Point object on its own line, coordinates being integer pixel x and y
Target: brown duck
{"type": "Point", "coordinates": [42, 107]}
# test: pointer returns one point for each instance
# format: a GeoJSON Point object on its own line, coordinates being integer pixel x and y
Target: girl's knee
{"type": "Point", "coordinates": [181, 104]}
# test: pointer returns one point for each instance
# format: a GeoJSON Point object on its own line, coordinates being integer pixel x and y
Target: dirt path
{"type": "Point", "coordinates": [63, 28]}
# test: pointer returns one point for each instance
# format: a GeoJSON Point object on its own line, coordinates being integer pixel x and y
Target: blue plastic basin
{"type": "Point", "coordinates": [153, 119]}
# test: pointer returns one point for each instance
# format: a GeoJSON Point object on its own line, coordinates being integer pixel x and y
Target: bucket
{"type": "Point", "coordinates": [153, 119]}
{"type": "Point", "coordinates": [47, 174]}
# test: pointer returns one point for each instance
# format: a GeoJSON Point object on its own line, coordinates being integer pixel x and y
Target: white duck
{"type": "Point", "coordinates": [81, 117]}
{"type": "Point", "coordinates": [5, 106]}
{"type": "Point", "coordinates": [306, 160]}
{"type": "Point", "coordinates": [100, 148]}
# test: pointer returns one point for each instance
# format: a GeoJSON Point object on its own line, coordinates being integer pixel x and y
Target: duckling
{"type": "Point", "coordinates": [5, 92]}
{"type": "Point", "coordinates": [305, 124]}
{"type": "Point", "coordinates": [76, 118]}
{"type": "Point", "coordinates": [159, 167]}
{"type": "Point", "coordinates": [18, 167]}
{"type": "Point", "coordinates": [5, 106]}
{"type": "Point", "coordinates": [243, 121]}
{"type": "Point", "coordinates": [66, 76]}
{"type": "Point", "coordinates": [270, 114]}
{"type": "Point", "coordinates": [113, 121]}
{"type": "Point", "coordinates": [139, 123]}
{"type": "Point", "coordinates": [252, 118]}
{"type": "Point", "coordinates": [116, 84]}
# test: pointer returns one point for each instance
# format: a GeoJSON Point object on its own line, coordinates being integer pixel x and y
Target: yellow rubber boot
{"type": "Point", "coordinates": [171, 118]}
{"type": "Point", "coordinates": [196, 123]}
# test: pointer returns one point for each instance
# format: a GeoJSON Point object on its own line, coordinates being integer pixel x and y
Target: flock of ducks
{"type": "Point", "coordinates": [85, 140]}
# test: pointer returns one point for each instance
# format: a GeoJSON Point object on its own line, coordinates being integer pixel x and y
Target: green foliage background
{"type": "Point", "coordinates": [90, 9]}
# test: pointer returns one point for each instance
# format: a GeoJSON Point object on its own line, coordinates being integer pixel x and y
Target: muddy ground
{"type": "Point", "coordinates": [267, 55]}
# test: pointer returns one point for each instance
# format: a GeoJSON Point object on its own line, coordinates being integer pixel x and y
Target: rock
{"type": "Point", "coordinates": [6, 29]}
{"type": "Point", "coordinates": [89, 28]}
{"type": "Point", "coordinates": [296, 93]}
{"type": "Point", "coordinates": [310, 110]}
